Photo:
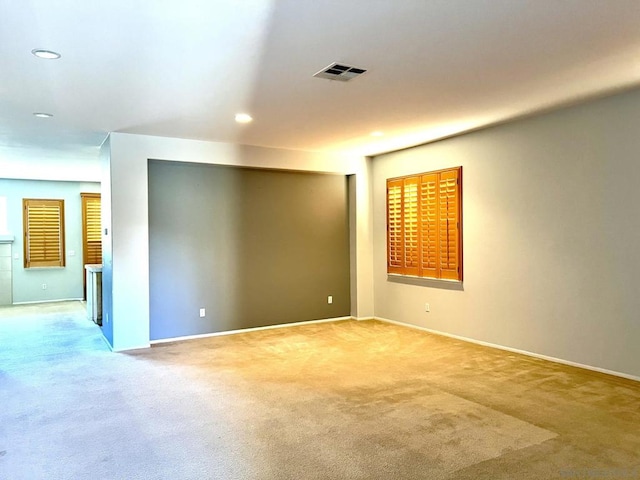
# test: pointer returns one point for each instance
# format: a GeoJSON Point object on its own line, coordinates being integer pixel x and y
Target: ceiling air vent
{"type": "Point", "coordinates": [340, 72]}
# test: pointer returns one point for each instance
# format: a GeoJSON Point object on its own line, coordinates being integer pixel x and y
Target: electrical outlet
{"type": "Point", "coordinates": [427, 307]}
{"type": "Point", "coordinates": [330, 299]}
{"type": "Point", "coordinates": [44, 286]}
{"type": "Point", "coordinates": [202, 312]}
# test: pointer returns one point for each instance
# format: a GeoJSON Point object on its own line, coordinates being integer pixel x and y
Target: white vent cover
{"type": "Point", "coordinates": [340, 72]}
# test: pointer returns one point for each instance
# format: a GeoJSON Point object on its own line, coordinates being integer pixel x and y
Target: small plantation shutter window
{"type": "Point", "coordinates": [424, 236]}
{"type": "Point", "coordinates": [91, 211]}
{"type": "Point", "coordinates": [43, 228]}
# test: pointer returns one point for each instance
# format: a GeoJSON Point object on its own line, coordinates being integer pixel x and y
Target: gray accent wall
{"type": "Point", "coordinates": [253, 247]}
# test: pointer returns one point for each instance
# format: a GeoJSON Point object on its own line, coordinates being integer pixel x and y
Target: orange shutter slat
{"type": "Point", "coordinates": [93, 220]}
{"type": "Point", "coordinates": [43, 232]}
{"type": "Point", "coordinates": [428, 225]}
{"type": "Point", "coordinates": [93, 253]}
{"type": "Point", "coordinates": [92, 228]}
{"type": "Point", "coordinates": [449, 224]}
{"type": "Point", "coordinates": [395, 231]}
{"type": "Point", "coordinates": [411, 211]}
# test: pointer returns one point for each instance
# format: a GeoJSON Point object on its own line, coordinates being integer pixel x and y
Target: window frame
{"type": "Point", "coordinates": [426, 242]}
{"type": "Point", "coordinates": [50, 261]}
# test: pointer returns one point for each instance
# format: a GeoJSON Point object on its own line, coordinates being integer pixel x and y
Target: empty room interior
{"type": "Point", "coordinates": [285, 239]}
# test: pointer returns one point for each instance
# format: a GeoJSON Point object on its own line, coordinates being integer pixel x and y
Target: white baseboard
{"type": "Point", "coordinates": [246, 330]}
{"type": "Point", "coordinates": [128, 349]}
{"type": "Point", "coordinates": [49, 301]}
{"type": "Point", "coordinates": [514, 350]}
{"type": "Point", "coordinates": [362, 319]}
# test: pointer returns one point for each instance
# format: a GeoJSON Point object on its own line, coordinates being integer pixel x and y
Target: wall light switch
{"type": "Point", "coordinates": [16, 256]}
{"type": "Point", "coordinates": [427, 307]}
{"type": "Point", "coordinates": [72, 253]}
{"type": "Point", "coordinates": [330, 299]}
{"type": "Point", "coordinates": [202, 312]}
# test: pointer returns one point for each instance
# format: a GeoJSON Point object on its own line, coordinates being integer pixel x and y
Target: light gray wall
{"type": "Point", "coordinates": [6, 289]}
{"type": "Point", "coordinates": [107, 244]}
{"type": "Point", "coordinates": [551, 225]}
{"type": "Point", "coordinates": [49, 165]}
{"type": "Point", "coordinates": [62, 283]}
{"type": "Point", "coordinates": [361, 229]}
{"type": "Point", "coordinates": [253, 247]}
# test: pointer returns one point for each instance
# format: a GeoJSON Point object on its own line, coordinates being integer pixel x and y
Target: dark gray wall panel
{"type": "Point", "coordinates": [252, 247]}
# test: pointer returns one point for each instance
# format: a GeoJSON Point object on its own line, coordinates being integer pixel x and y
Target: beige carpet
{"type": "Point", "coordinates": [343, 400]}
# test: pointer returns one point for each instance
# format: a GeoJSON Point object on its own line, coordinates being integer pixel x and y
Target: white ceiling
{"type": "Point", "coordinates": [184, 68]}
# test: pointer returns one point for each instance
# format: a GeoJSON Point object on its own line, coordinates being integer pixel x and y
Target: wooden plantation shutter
{"type": "Point", "coordinates": [395, 235]}
{"type": "Point", "coordinates": [410, 224]}
{"type": "Point", "coordinates": [43, 229]}
{"type": "Point", "coordinates": [424, 225]}
{"type": "Point", "coordinates": [92, 230]}
{"type": "Point", "coordinates": [429, 225]}
{"type": "Point", "coordinates": [448, 228]}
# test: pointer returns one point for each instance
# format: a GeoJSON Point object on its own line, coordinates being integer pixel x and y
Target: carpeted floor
{"type": "Point", "coordinates": [343, 400]}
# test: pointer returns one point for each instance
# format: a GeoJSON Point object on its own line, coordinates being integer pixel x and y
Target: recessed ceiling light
{"type": "Point", "coordinates": [377, 133]}
{"type": "Point", "coordinates": [43, 115]}
{"type": "Point", "coordinates": [46, 54]}
{"type": "Point", "coordinates": [243, 118]}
